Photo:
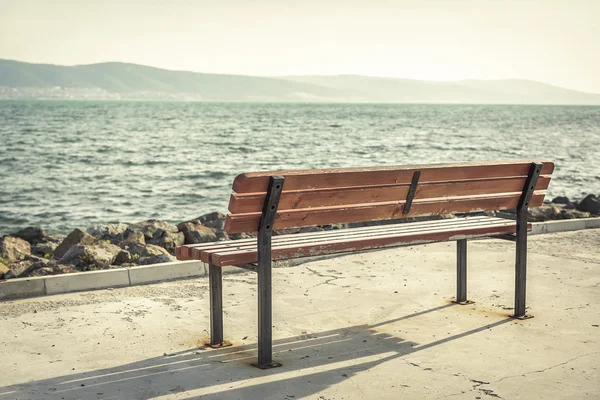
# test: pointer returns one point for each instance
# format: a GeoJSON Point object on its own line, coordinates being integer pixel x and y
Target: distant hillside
{"type": "Point", "coordinates": [120, 80]}
{"type": "Point", "coordinates": [131, 81]}
{"type": "Point", "coordinates": [511, 91]}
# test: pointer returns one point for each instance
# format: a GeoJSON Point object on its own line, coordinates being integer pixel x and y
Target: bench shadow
{"type": "Point", "coordinates": [311, 363]}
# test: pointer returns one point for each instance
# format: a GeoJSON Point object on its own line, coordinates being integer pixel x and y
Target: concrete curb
{"type": "Point", "coordinates": [120, 277]}
{"type": "Point", "coordinates": [564, 225]}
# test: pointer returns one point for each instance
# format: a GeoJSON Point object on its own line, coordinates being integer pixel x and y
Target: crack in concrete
{"type": "Point", "coordinates": [327, 282]}
{"type": "Point", "coordinates": [550, 367]}
{"type": "Point", "coordinates": [489, 392]}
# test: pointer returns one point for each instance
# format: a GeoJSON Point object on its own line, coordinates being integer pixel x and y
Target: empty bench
{"type": "Point", "coordinates": [264, 201]}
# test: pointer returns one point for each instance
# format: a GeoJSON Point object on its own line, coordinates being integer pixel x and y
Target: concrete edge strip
{"type": "Point", "coordinates": [140, 275]}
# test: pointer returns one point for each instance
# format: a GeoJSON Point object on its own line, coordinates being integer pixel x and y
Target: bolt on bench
{"type": "Point", "coordinates": [264, 201]}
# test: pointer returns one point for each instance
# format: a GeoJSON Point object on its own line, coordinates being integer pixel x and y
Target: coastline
{"type": "Point", "coordinates": [31, 252]}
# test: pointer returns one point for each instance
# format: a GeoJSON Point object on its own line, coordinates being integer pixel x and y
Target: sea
{"type": "Point", "coordinates": [73, 164]}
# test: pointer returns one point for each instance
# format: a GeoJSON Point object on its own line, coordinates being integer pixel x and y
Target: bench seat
{"type": "Point", "coordinates": [244, 251]}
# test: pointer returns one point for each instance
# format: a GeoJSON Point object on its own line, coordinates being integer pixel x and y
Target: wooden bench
{"type": "Point", "coordinates": [264, 201]}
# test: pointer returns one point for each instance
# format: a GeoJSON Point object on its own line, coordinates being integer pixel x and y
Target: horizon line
{"type": "Point", "coordinates": [308, 75]}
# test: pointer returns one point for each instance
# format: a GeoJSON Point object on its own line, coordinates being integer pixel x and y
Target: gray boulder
{"type": "Point", "coordinates": [77, 237]}
{"type": "Point", "coordinates": [195, 232]}
{"type": "Point", "coordinates": [44, 248]}
{"type": "Point", "coordinates": [572, 214]}
{"type": "Point", "coordinates": [32, 234]}
{"type": "Point", "coordinates": [124, 257]}
{"type": "Point", "coordinates": [561, 200]}
{"type": "Point", "coordinates": [156, 259]}
{"type": "Point", "coordinates": [544, 213]}
{"type": "Point", "coordinates": [212, 220]}
{"type": "Point", "coordinates": [153, 228]}
{"type": "Point", "coordinates": [590, 204]}
{"type": "Point", "coordinates": [3, 269]}
{"type": "Point", "coordinates": [133, 237]}
{"type": "Point", "coordinates": [139, 251]}
{"type": "Point", "coordinates": [91, 257]}
{"type": "Point", "coordinates": [14, 248]}
{"type": "Point", "coordinates": [168, 240]}
{"type": "Point", "coordinates": [18, 269]}
{"type": "Point", "coordinates": [43, 271]}
{"type": "Point", "coordinates": [112, 232]}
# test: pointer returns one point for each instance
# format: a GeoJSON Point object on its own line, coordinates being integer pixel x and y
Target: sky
{"type": "Point", "coordinates": [552, 41]}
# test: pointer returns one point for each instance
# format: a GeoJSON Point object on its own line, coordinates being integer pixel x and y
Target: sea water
{"type": "Point", "coordinates": [67, 164]}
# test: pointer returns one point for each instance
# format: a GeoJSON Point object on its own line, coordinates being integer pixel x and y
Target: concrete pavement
{"type": "Point", "coordinates": [376, 325]}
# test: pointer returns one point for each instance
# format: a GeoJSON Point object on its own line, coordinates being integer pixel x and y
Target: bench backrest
{"type": "Point", "coordinates": [343, 195]}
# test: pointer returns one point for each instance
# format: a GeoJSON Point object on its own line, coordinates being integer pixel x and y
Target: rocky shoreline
{"type": "Point", "coordinates": [32, 252]}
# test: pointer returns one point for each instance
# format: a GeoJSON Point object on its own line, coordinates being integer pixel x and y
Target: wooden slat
{"type": "Point", "coordinates": [350, 234]}
{"type": "Point", "coordinates": [339, 246]}
{"type": "Point", "coordinates": [256, 182]}
{"type": "Point", "coordinates": [183, 252]}
{"type": "Point", "coordinates": [236, 223]}
{"type": "Point", "coordinates": [204, 254]}
{"type": "Point", "coordinates": [290, 200]}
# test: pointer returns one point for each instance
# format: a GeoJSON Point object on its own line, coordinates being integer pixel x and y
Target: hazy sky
{"type": "Point", "coordinates": [553, 41]}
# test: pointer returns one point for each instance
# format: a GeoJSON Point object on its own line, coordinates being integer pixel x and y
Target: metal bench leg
{"type": "Point", "coordinates": [265, 322]}
{"type": "Point", "coordinates": [265, 301]}
{"type": "Point", "coordinates": [461, 272]}
{"type": "Point", "coordinates": [215, 276]}
{"type": "Point", "coordinates": [521, 257]}
{"type": "Point", "coordinates": [521, 268]}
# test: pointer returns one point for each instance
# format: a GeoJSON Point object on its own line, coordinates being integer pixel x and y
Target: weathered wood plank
{"type": "Point", "coordinates": [349, 235]}
{"type": "Point", "coordinates": [249, 256]}
{"type": "Point", "coordinates": [296, 199]}
{"type": "Point", "coordinates": [205, 254]}
{"type": "Point", "coordinates": [185, 250]}
{"type": "Point", "coordinates": [236, 223]}
{"type": "Point", "coordinates": [256, 182]}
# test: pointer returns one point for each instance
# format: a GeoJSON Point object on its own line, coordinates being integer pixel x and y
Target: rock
{"type": "Point", "coordinates": [133, 237]}
{"type": "Point", "coordinates": [111, 232]}
{"type": "Point", "coordinates": [124, 257]}
{"type": "Point", "coordinates": [195, 232]}
{"type": "Point", "coordinates": [544, 213]}
{"type": "Point", "coordinates": [44, 271]}
{"type": "Point", "coordinates": [152, 250]}
{"type": "Point", "coordinates": [157, 259]}
{"type": "Point", "coordinates": [243, 235]}
{"type": "Point", "coordinates": [77, 237]}
{"type": "Point", "coordinates": [64, 269]}
{"type": "Point", "coordinates": [286, 231]}
{"type": "Point", "coordinates": [3, 269]}
{"type": "Point", "coordinates": [139, 251]}
{"type": "Point", "coordinates": [44, 248]}
{"type": "Point", "coordinates": [222, 235]}
{"type": "Point", "coordinates": [91, 257]}
{"type": "Point", "coordinates": [150, 227]}
{"type": "Point", "coordinates": [96, 231]}
{"type": "Point", "coordinates": [14, 248]}
{"type": "Point", "coordinates": [32, 234]}
{"type": "Point", "coordinates": [572, 214]}
{"type": "Point", "coordinates": [16, 270]}
{"type": "Point", "coordinates": [168, 240]}
{"type": "Point", "coordinates": [590, 204]}
{"type": "Point", "coordinates": [561, 200]}
{"type": "Point", "coordinates": [211, 217]}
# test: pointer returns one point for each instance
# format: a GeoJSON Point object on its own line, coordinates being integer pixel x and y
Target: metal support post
{"type": "Point", "coordinates": [461, 272]}
{"type": "Point", "coordinates": [215, 277]}
{"type": "Point", "coordinates": [265, 306]}
{"type": "Point", "coordinates": [521, 242]}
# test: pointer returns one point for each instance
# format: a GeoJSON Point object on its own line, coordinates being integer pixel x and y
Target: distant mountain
{"type": "Point", "coordinates": [509, 91]}
{"type": "Point", "coordinates": [130, 81]}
